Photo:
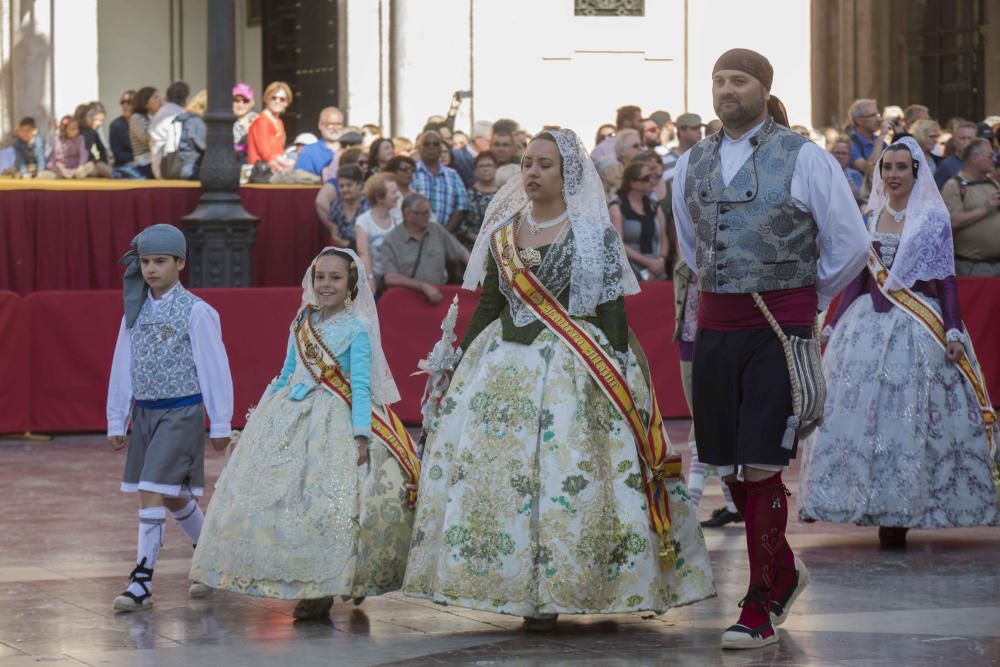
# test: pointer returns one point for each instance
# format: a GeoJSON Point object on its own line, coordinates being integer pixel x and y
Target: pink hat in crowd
{"type": "Point", "coordinates": [243, 90]}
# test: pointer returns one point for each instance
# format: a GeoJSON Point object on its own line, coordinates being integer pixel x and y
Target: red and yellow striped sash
{"type": "Point", "coordinates": [655, 452]}
{"type": "Point", "coordinates": [917, 307]}
{"type": "Point", "coordinates": [387, 427]}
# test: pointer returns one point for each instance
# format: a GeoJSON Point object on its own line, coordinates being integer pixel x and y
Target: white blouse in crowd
{"type": "Point", "coordinates": [210, 360]}
{"type": "Point", "coordinates": [819, 187]}
{"type": "Point", "coordinates": [376, 235]}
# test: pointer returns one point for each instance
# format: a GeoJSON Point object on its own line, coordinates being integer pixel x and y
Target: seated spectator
{"type": "Point", "coordinates": [379, 154]}
{"type": "Point", "coordinates": [29, 149]}
{"type": "Point", "coordinates": [964, 134]}
{"type": "Point", "coordinates": [145, 103]}
{"type": "Point", "coordinates": [480, 195]}
{"type": "Point", "coordinates": [440, 184]}
{"type": "Point", "coordinates": [927, 133]}
{"type": "Point", "coordinates": [162, 137]}
{"type": "Point", "coordinates": [121, 146]}
{"type": "Point", "coordinates": [459, 140]}
{"type": "Point", "coordinates": [90, 117]}
{"type": "Point", "coordinates": [245, 116]}
{"type": "Point", "coordinates": [640, 223]}
{"type": "Point", "coordinates": [628, 117]}
{"type": "Point", "coordinates": [841, 151]}
{"type": "Point", "coordinates": [69, 158]}
{"type": "Point", "coordinates": [503, 145]}
{"type": "Point", "coordinates": [650, 134]}
{"type": "Point", "coordinates": [627, 145]}
{"type": "Point", "coordinates": [611, 171]}
{"type": "Point", "coordinates": [973, 199]}
{"type": "Point", "coordinates": [185, 162]}
{"type": "Point", "coordinates": [373, 225]}
{"type": "Point", "coordinates": [348, 204]}
{"type": "Point", "coordinates": [402, 146]}
{"type": "Point", "coordinates": [416, 253]}
{"type": "Point", "coordinates": [402, 167]}
{"type": "Point", "coordinates": [315, 157]}
{"type": "Point", "coordinates": [604, 132]}
{"type": "Point", "coordinates": [266, 138]}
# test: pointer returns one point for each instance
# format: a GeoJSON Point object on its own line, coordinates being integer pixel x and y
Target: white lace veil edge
{"type": "Point", "coordinates": [591, 225]}
{"type": "Point", "coordinates": [383, 387]}
{"type": "Point", "coordinates": [926, 248]}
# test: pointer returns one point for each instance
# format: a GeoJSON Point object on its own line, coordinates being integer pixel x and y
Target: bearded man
{"type": "Point", "coordinates": [758, 209]}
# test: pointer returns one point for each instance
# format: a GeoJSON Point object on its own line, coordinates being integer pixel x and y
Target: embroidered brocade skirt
{"type": "Point", "coordinates": [531, 500]}
{"type": "Point", "coordinates": [902, 442]}
{"type": "Point", "coordinates": [294, 517]}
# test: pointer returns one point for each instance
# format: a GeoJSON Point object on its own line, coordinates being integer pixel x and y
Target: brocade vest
{"type": "Point", "coordinates": [750, 237]}
{"type": "Point", "coordinates": [162, 358]}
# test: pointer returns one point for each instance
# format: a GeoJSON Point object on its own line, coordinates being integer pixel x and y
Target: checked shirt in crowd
{"type": "Point", "coordinates": [445, 190]}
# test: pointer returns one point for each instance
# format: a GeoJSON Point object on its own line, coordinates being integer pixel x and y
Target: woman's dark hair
{"type": "Point", "coordinates": [373, 165]}
{"type": "Point", "coordinates": [351, 172]}
{"type": "Point", "coordinates": [80, 114]}
{"type": "Point", "coordinates": [484, 155]}
{"type": "Point", "coordinates": [352, 268]}
{"type": "Point", "coordinates": [141, 99]}
{"type": "Point", "coordinates": [597, 137]}
{"type": "Point", "coordinates": [633, 172]}
{"type": "Point", "coordinates": [395, 163]}
{"type": "Point", "coordinates": [896, 147]}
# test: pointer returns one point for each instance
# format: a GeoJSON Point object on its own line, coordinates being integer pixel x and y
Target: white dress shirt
{"type": "Point", "coordinates": [819, 187]}
{"type": "Point", "coordinates": [163, 136]}
{"type": "Point", "coordinates": [210, 360]}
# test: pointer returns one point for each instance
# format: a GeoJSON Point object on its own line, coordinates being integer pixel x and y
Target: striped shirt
{"type": "Point", "coordinates": [445, 190]}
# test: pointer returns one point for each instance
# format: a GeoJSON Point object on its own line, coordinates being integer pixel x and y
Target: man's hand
{"type": "Point", "coordinates": [117, 442]}
{"type": "Point", "coordinates": [994, 201]}
{"type": "Point", "coordinates": [431, 293]}
{"type": "Point", "coordinates": [219, 444]}
{"type": "Point", "coordinates": [954, 351]}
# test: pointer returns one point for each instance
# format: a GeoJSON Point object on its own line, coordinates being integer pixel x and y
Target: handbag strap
{"type": "Point", "coordinates": [774, 323]}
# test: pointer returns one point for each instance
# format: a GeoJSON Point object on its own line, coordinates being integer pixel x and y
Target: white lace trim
{"type": "Point", "coordinates": [926, 250]}
{"type": "Point", "coordinates": [955, 336]}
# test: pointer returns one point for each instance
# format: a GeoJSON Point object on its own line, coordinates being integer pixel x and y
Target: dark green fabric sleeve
{"type": "Point", "coordinates": [612, 321]}
{"type": "Point", "coordinates": [491, 303]}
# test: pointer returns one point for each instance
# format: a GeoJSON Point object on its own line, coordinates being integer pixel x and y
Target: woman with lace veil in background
{"type": "Point", "coordinates": [316, 500]}
{"type": "Point", "coordinates": [535, 481]}
{"type": "Point", "coordinates": [907, 440]}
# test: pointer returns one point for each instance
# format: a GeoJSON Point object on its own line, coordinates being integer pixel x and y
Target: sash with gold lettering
{"type": "Point", "coordinates": [917, 307]}
{"type": "Point", "coordinates": [387, 427]}
{"type": "Point", "coordinates": [658, 461]}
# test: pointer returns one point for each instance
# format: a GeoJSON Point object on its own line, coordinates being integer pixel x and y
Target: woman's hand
{"type": "Point", "coordinates": [657, 266]}
{"type": "Point", "coordinates": [362, 449]}
{"type": "Point", "coordinates": [954, 351]}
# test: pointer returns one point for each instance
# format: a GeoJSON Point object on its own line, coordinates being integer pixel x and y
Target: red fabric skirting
{"type": "Point", "coordinates": [72, 239]}
{"type": "Point", "coordinates": [56, 347]}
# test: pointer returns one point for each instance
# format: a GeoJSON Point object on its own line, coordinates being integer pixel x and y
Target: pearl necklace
{"type": "Point", "coordinates": [536, 227]}
{"type": "Point", "coordinates": [898, 216]}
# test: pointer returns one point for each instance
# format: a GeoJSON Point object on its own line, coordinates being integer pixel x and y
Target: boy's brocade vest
{"type": "Point", "coordinates": [162, 358]}
{"type": "Point", "coordinates": [750, 236]}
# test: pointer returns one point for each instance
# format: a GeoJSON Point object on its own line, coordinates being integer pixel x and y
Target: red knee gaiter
{"type": "Point", "coordinates": [771, 565]}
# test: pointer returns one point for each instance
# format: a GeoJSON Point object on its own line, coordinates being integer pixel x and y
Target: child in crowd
{"type": "Point", "coordinates": [171, 360]}
{"type": "Point", "coordinates": [305, 509]}
{"type": "Point", "coordinates": [29, 149]}
{"type": "Point", "coordinates": [70, 158]}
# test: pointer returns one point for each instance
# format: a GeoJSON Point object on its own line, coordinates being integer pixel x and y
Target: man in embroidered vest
{"type": "Point", "coordinates": [758, 209]}
{"type": "Point", "coordinates": [169, 368]}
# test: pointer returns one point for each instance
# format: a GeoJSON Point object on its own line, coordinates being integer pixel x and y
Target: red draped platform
{"type": "Point", "coordinates": [56, 347]}
{"type": "Point", "coordinates": [68, 235]}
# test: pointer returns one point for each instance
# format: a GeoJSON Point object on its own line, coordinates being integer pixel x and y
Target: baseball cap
{"type": "Point", "coordinates": [689, 120]}
{"type": "Point", "coordinates": [243, 90]}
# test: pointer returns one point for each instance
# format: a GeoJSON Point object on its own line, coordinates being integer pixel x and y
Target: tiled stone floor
{"type": "Point", "coordinates": [67, 542]}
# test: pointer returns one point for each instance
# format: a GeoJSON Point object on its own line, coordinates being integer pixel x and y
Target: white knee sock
{"type": "Point", "coordinates": [696, 480]}
{"type": "Point", "coordinates": [730, 505]}
{"type": "Point", "coordinates": [190, 519]}
{"type": "Point", "coordinates": [151, 521]}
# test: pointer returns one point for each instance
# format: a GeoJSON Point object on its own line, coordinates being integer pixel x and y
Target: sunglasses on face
{"type": "Point", "coordinates": [636, 145]}
{"type": "Point", "coordinates": [279, 98]}
{"type": "Point", "coordinates": [405, 168]}
{"type": "Point", "coordinates": [650, 178]}
{"type": "Point", "coordinates": [242, 100]}
{"type": "Point", "coordinates": [125, 100]}
{"type": "Point", "coordinates": [432, 144]}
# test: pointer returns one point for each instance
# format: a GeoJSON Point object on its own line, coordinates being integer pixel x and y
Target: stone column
{"type": "Point", "coordinates": [220, 233]}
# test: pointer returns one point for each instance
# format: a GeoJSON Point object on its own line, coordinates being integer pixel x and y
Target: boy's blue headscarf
{"type": "Point", "coordinates": [155, 240]}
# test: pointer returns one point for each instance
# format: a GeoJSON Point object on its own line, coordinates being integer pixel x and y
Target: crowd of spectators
{"type": "Point", "coordinates": [381, 194]}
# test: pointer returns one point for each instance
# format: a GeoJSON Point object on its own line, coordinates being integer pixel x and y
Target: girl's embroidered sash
{"type": "Point", "coordinates": [652, 443]}
{"type": "Point", "coordinates": [387, 427]}
{"type": "Point", "coordinates": [917, 307]}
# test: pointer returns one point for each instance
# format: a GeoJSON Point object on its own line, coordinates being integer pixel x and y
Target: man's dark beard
{"type": "Point", "coordinates": [742, 114]}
